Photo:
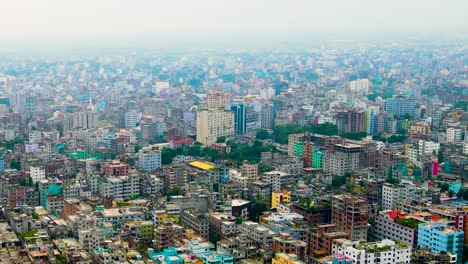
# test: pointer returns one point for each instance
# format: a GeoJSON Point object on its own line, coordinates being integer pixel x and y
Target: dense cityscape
{"type": "Point", "coordinates": [273, 148]}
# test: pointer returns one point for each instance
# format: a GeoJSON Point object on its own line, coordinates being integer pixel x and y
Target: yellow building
{"type": "Point", "coordinates": [143, 228]}
{"type": "Point", "coordinates": [213, 123]}
{"type": "Point", "coordinates": [283, 196]}
{"type": "Point", "coordinates": [167, 218]}
{"type": "Point", "coordinates": [283, 258]}
{"type": "Point", "coordinates": [421, 129]}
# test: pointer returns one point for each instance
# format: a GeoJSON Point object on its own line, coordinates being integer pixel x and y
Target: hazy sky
{"type": "Point", "coordinates": [43, 19]}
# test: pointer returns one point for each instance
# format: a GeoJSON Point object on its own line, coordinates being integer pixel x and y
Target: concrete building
{"type": "Point", "coordinates": [121, 186]}
{"type": "Point", "coordinates": [350, 214]}
{"type": "Point", "coordinates": [395, 226]}
{"type": "Point", "coordinates": [91, 239]}
{"type": "Point", "coordinates": [214, 123]}
{"type": "Point", "coordinates": [438, 237]}
{"type": "Point", "coordinates": [266, 116]}
{"type": "Point", "coordinates": [218, 99]}
{"type": "Point", "coordinates": [341, 158]}
{"type": "Point", "coordinates": [283, 258]}
{"type": "Point", "coordinates": [278, 197]}
{"type": "Point", "coordinates": [319, 239]}
{"type": "Point", "coordinates": [278, 180]}
{"type": "Point", "coordinates": [284, 244]}
{"type": "Point", "coordinates": [454, 134]}
{"type": "Point", "coordinates": [196, 221]}
{"type": "Point", "coordinates": [118, 216]}
{"type": "Point", "coordinates": [249, 170]}
{"type": "Point", "coordinates": [385, 251]}
{"type": "Point", "coordinates": [400, 105]}
{"type": "Point", "coordinates": [259, 233]}
{"type": "Point", "coordinates": [350, 121]}
{"type": "Point", "coordinates": [115, 168]}
{"type": "Point", "coordinates": [37, 173]}
{"type": "Point", "coordinates": [149, 158]}
{"type": "Point", "coordinates": [392, 193]}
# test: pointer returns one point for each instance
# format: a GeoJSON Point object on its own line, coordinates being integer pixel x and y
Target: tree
{"type": "Point", "coordinates": [440, 156]}
{"type": "Point", "coordinates": [450, 194]}
{"type": "Point", "coordinates": [167, 154]}
{"type": "Point", "coordinates": [221, 139]}
{"type": "Point", "coordinates": [14, 164]}
{"type": "Point", "coordinates": [355, 136]}
{"type": "Point", "coordinates": [175, 191]}
{"type": "Point", "coordinates": [258, 208]}
{"type": "Point", "coordinates": [262, 134]}
{"type": "Point", "coordinates": [444, 187]}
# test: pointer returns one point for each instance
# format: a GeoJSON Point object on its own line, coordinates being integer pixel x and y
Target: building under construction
{"type": "Point", "coordinates": [350, 214]}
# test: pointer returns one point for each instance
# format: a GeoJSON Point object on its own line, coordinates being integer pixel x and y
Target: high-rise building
{"type": "Point", "coordinates": [240, 124]}
{"type": "Point", "coordinates": [132, 118]}
{"type": "Point", "coordinates": [213, 123]}
{"type": "Point", "coordinates": [149, 158]}
{"type": "Point", "coordinates": [385, 251]}
{"type": "Point", "coordinates": [266, 116]}
{"type": "Point", "coordinates": [400, 106]}
{"type": "Point", "coordinates": [350, 214]}
{"type": "Point", "coordinates": [359, 87]}
{"type": "Point", "coordinates": [350, 121]}
{"type": "Point", "coordinates": [454, 134]}
{"type": "Point", "coordinates": [218, 99]}
{"type": "Point", "coordinates": [341, 158]}
{"type": "Point", "coordinates": [438, 237]}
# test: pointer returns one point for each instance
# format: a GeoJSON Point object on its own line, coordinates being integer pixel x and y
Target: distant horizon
{"type": "Point", "coordinates": [29, 24]}
{"type": "Point", "coordinates": [184, 42]}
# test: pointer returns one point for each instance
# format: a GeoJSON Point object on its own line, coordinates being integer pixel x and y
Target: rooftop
{"type": "Point", "coordinates": [202, 165]}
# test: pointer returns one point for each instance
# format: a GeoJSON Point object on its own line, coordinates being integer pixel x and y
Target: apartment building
{"type": "Point", "coordinates": [350, 214]}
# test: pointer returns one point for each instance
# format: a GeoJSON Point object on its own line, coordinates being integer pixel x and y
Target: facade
{"type": "Point", "coordinates": [400, 106]}
{"type": "Point", "coordinates": [342, 158]}
{"type": "Point", "coordinates": [350, 214]}
{"type": "Point", "coordinates": [391, 194]}
{"type": "Point", "coordinates": [240, 122]}
{"type": "Point", "coordinates": [257, 232]}
{"type": "Point", "coordinates": [196, 221]}
{"type": "Point", "coordinates": [454, 134]}
{"type": "Point", "coordinates": [283, 258]}
{"type": "Point", "coordinates": [249, 170]}
{"type": "Point", "coordinates": [385, 251]}
{"type": "Point", "coordinates": [438, 237]}
{"type": "Point", "coordinates": [37, 173]}
{"type": "Point", "coordinates": [319, 239]}
{"type": "Point", "coordinates": [149, 159]}
{"type": "Point", "coordinates": [91, 239]}
{"type": "Point", "coordinates": [392, 225]}
{"type": "Point", "coordinates": [278, 180]}
{"type": "Point", "coordinates": [278, 197]}
{"type": "Point", "coordinates": [218, 99]}
{"type": "Point", "coordinates": [214, 123]}
{"type": "Point", "coordinates": [284, 244]}
{"type": "Point", "coordinates": [266, 116]}
{"type": "Point", "coordinates": [124, 187]}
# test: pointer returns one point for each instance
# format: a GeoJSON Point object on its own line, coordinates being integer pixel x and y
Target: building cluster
{"type": "Point", "coordinates": [353, 155]}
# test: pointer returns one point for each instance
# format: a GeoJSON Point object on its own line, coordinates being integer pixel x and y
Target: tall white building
{"type": "Point", "coordinates": [342, 159]}
{"type": "Point", "coordinates": [454, 134]}
{"type": "Point", "coordinates": [149, 159]}
{"type": "Point", "coordinates": [121, 186]}
{"type": "Point", "coordinates": [391, 194]}
{"type": "Point", "coordinates": [428, 147]}
{"type": "Point", "coordinates": [37, 173]}
{"type": "Point", "coordinates": [213, 123]}
{"type": "Point", "coordinates": [132, 118]}
{"type": "Point", "coordinates": [384, 252]}
{"type": "Point", "coordinates": [91, 239]}
{"type": "Point", "coordinates": [360, 86]}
